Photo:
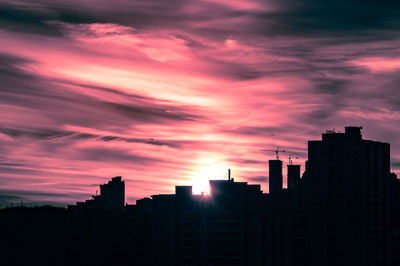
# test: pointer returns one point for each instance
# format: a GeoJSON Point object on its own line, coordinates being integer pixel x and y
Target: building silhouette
{"type": "Point", "coordinates": [347, 199]}
{"type": "Point", "coordinates": [112, 196]}
{"type": "Point", "coordinates": [275, 176]}
{"type": "Point", "coordinates": [208, 230]}
{"type": "Point", "coordinates": [293, 176]}
{"type": "Point", "coordinates": [344, 210]}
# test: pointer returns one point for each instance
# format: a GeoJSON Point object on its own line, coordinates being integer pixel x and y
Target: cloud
{"type": "Point", "coordinates": [299, 17]}
{"type": "Point", "coordinates": [31, 17]}
{"type": "Point", "coordinates": [256, 130]}
{"type": "Point", "coordinates": [8, 200]}
{"type": "Point", "coordinates": [38, 134]}
{"type": "Point", "coordinates": [258, 179]}
{"type": "Point", "coordinates": [9, 197]}
{"type": "Point", "coordinates": [110, 156]}
{"type": "Point", "coordinates": [48, 134]}
{"type": "Point", "coordinates": [247, 161]}
{"type": "Point", "coordinates": [143, 113]}
{"type": "Point", "coordinates": [309, 17]}
{"type": "Point", "coordinates": [26, 90]}
{"type": "Point", "coordinates": [27, 193]}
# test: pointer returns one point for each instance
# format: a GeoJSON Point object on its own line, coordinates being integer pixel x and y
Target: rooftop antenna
{"type": "Point", "coordinates": [229, 174]}
{"type": "Point", "coordinates": [290, 158]}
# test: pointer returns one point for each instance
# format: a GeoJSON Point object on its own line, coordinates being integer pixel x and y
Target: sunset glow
{"type": "Point", "coordinates": [207, 169]}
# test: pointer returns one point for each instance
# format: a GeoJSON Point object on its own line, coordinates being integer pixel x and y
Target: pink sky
{"type": "Point", "coordinates": [169, 93]}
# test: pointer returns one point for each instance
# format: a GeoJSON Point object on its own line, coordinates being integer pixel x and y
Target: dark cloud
{"type": "Point", "coordinates": [288, 17]}
{"type": "Point", "coordinates": [151, 141]}
{"type": "Point", "coordinates": [258, 131]}
{"type": "Point", "coordinates": [84, 136]}
{"type": "Point", "coordinates": [259, 179]}
{"type": "Point", "coordinates": [313, 17]}
{"type": "Point", "coordinates": [114, 155]}
{"type": "Point", "coordinates": [13, 164]}
{"type": "Point", "coordinates": [238, 71]}
{"type": "Point", "coordinates": [246, 161]}
{"type": "Point", "coordinates": [34, 18]}
{"type": "Point", "coordinates": [10, 197]}
{"type": "Point", "coordinates": [321, 114]}
{"type": "Point", "coordinates": [330, 86]}
{"type": "Point", "coordinates": [35, 133]}
{"type": "Point", "coordinates": [105, 89]}
{"type": "Point", "coordinates": [29, 193]}
{"type": "Point", "coordinates": [17, 19]}
{"type": "Point", "coordinates": [109, 138]}
{"type": "Point", "coordinates": [38, 174]}
{"type": "Point", "coordinates": [22, 88]}
{"type": "Point", "coordinates": [143, 113]}
{"type": "Point", "coordinates": [10, 65]}
{"type": "Point", "coordinates": [14, 79]}
{"type": "Point", "coordinates": [21, 171]}
{"type": "Point", "coordinates": [391, 87]}
{"type": "Point", "coordinates": [396, 164]}
{"type": "Point", "coordinates": [43, 134]}
{"type": "Point", "coordinates": [8, 200]}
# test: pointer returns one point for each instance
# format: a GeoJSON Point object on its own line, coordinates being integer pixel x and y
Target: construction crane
{"type": "Point", "coordinates": [277, 151]}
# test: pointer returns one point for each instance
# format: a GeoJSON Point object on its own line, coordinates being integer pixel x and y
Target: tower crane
{"type": "Point", "coordinates": [277, 151]}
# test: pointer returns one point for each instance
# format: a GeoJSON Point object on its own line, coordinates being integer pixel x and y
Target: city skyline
{"type": "Point", "coordinates": [342, 211]}
{"type": "Point", "coordinates": [278, 172]}
{"type": "Point", "coordinates": [169, 93]}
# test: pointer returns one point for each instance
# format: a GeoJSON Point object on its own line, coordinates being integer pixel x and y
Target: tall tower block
{"type": "Point", "coordinates": [293, 175]}
{"type": "Point", "coordinates": [348, 186]}
{"type": "Point", "coordinates": [275, 176]}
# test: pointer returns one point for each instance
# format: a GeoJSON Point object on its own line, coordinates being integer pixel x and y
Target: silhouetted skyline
{"type": "Point", "coordinates": [343, 210]}
{"type": "Point", "coordinates": [153, 132]}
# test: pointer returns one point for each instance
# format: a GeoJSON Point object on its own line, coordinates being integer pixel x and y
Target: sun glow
{"type": "Point", "coordinates": [207, 170]}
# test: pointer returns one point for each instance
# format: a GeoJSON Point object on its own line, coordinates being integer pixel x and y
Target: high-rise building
{"type": "Point", "coordinates": [275, 176]}
{"type": "Point", "coordinates": [347, 200]}
{"type": "Point", "coordinates": [293, 176]}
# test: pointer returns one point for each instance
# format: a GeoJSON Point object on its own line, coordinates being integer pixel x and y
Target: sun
{"type": "Point", "coordinates": [207, 170]}
{"type": "Point", "coordinates": [201, 186]}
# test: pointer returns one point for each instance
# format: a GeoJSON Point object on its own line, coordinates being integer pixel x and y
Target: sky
{"type": "Point", "coordinates": [167, 93]}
